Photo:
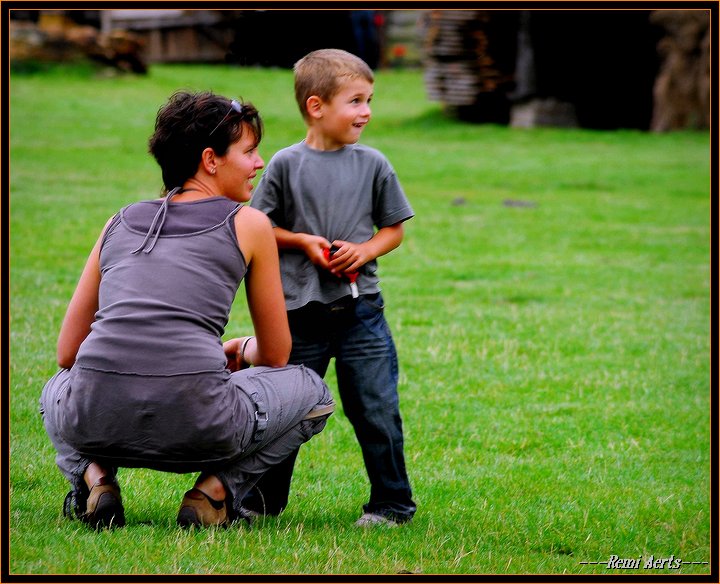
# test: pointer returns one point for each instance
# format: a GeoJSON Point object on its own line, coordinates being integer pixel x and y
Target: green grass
{"type": "Point", "coordinates": [555, 357]}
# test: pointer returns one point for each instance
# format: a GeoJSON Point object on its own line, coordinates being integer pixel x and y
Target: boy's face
{"type": "Point", "coordinates": [345, 116]}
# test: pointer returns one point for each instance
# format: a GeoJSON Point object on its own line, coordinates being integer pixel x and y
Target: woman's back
{"type": "Point", "coordinates": [164, 304]}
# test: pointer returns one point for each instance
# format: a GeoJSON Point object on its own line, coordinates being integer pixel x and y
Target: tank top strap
{"type": "Point", "coordinates": [156, 226]}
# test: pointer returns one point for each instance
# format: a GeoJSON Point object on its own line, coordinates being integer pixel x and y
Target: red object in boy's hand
{"type": "Point", "coordinates": [351, 276]}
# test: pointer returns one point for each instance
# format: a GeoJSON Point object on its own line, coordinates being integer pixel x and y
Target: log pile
{"type": "Point", "coordinates": [681, 93]}
{"type": "Point", "coordinates": [469, 60]}
{"type": "Point", "coordinates": [57, 39]}
{"type": "Point", "coordinates": [460, 62]}
{"type": "Point", "coordinates": [599, 69]}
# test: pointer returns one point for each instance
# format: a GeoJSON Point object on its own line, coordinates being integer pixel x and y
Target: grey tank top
{"type": "Point", "coordinates": [169, 275]}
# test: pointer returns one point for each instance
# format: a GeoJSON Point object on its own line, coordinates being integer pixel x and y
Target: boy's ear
{"type": "Point", "coordinates": [313, 105]}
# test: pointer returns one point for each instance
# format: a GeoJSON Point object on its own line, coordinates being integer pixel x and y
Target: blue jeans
{"type": "Point", "coordinates": [356, 333]}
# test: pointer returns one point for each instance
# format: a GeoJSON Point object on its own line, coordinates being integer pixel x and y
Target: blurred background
{"type": "Point", "coordinates": [601, 69]}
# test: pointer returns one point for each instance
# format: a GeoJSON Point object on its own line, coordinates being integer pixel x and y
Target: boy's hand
{"type": "Point", "coordinates": [350, 257]}
{"type": "Point", "coordinates": [314, 247]}
{"type": "Point", "coordinates": [347, 257]}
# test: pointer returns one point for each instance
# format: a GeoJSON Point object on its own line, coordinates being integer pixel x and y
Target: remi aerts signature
{"type": "Point", "coordinates": [645, 563]}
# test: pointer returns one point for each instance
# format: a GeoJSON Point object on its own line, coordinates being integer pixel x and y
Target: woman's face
{"type": "Point", "coordinates": [238, 167]}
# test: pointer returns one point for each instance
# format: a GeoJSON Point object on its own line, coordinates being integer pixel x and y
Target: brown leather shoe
{"type": "Point", "coordinates": [200, 510]}
{"type": "Point", "coordinates": [104, 506]}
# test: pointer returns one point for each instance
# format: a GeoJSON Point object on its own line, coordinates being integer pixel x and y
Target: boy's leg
{"type": "Point", "coordinates": [311, 347]}
{"type": "Point", "coordinates": [287, 394]}
{"type": "Point", "coordinates": [367, 372]}
{"type": "Point", "coordinates": [269, 496]}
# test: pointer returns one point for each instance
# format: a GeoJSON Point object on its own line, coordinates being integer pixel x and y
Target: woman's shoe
{"type": "Point", "coordinates": [104, 506]}
{"type": "Point", "coordinates": [200, 510]}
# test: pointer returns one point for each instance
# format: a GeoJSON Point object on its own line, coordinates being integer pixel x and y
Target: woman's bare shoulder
{"type": "Point", "coordinates": [249, 218]}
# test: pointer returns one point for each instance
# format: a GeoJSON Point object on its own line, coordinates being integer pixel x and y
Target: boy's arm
{"type": "Point", "coordinates": [311, 245]}
{"type": "Point", "coordinates": [351, 256]}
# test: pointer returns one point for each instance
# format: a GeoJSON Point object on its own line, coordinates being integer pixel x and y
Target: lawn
{"type": "Point", "coordinates": [551, 304]}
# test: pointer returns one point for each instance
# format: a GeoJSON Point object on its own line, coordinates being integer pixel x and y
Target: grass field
{"type": "Point", "coordinates": [551, 307]}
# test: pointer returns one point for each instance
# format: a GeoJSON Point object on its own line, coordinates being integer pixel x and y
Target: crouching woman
{"type": "Point", "coordinates": [145, 379]}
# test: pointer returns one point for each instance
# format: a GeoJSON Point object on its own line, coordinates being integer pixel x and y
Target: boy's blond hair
{"type": "Point", "coordinates": [322, 73]}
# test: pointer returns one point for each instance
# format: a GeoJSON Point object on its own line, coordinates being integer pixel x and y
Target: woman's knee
{"type": "Point", "coordinates": [320, 388]}
{"type": "Point", "coordinates": [52, 393]}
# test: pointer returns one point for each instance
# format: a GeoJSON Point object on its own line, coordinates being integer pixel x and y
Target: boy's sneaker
{"type": "Point", "coordinates": [373, 519]}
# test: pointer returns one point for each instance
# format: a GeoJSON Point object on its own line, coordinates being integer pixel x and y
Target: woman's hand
{"type": "Point", "coordinates": [237, 358]}
{"type": "Point", "coordinates": [232, 353]}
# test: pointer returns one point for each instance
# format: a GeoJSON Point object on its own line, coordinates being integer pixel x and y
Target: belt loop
{"type": "Point", "coordinates": [261, 417]}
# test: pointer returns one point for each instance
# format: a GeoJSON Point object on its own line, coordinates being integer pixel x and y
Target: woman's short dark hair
{"type": "Point", "coordinates": [190, 122]}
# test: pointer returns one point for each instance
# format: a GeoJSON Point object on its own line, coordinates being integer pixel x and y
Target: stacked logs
{"type": "Point", "coordinates": [562, 68]}
{"type": "Point", "coordinates": [469, 55]}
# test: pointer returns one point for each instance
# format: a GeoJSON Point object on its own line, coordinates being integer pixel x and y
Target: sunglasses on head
{"type": "Point", "coordinates": [234, 106]}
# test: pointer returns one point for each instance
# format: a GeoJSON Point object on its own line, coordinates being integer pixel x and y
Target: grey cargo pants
{"type": "Point", "coordinates": [268, 404]}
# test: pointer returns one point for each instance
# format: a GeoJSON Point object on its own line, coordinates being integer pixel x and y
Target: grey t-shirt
{"type": "Point", "coordinates": [341, 194]}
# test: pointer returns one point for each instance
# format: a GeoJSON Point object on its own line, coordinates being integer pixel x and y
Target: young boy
{"type": "Point", "coordinates": [326, 196]}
